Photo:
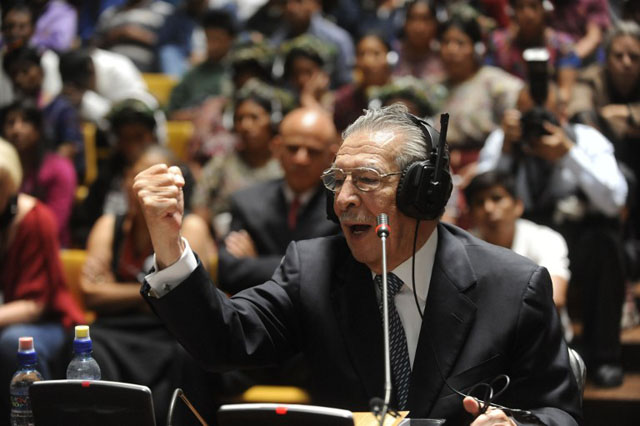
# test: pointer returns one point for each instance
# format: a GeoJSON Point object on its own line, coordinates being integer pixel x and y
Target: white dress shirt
{"type": "Point", "coordinates": [404, 300]}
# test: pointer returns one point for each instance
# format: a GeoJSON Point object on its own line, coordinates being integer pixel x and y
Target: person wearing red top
{"type": "Point", "coordinates": [36, 301]}
{"type": "Point", "coordinates": [47, 175]}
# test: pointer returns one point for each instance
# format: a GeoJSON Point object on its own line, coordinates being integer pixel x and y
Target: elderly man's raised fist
{"type": "Point", "coordinates": [159, 191]}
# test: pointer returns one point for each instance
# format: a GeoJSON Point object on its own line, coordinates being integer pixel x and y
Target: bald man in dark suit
{"type": "Point", "coordinates": [267, 216]}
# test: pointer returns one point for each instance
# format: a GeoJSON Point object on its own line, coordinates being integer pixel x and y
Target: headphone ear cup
{"type": "Point", "coordinates": [417, 197]}
{"type": "Point", "coordinates": [408, 197]}
{"type": "Point", "coordinates": [331, 214]}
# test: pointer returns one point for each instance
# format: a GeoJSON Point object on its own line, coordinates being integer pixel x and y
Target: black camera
{"type": "Point", "coordinates": [532, 121]}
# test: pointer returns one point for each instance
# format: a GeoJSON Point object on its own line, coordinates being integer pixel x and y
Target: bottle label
{"type": "Point", "coordinates": [20, 403]}
{"type": "Point", "coordinates": [21, 410]}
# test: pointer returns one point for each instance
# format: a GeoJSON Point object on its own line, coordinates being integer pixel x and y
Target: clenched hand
{"type": "Point", "coordinates": [159, 191]}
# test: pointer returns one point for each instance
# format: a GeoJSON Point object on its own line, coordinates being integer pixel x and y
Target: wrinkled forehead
{"type": "Point", "coordinates": [372, 148]}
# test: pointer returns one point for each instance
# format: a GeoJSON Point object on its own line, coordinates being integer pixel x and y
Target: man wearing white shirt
{"type": "Point", "coordinates": [568, 178]}
{"type": "Point", "coordinates": [496, 213]}
{"type": "Point", "coordinates": [481, 310]}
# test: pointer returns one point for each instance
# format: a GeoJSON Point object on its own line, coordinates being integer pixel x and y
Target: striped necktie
{"type": "Point", "coordinates": [400, 364]}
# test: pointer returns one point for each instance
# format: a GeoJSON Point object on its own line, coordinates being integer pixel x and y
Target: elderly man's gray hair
{"type": "Point", "coordinates": [393, 117]}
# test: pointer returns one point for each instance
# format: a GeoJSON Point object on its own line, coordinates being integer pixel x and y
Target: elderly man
{"type": "Point", "coordinates": [481, 311]}
{"type": "Point", "coordinates": [267, 216]}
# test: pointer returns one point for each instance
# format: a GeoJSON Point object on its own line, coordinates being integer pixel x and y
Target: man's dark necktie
{"type": "Point", "coordinates": [400, 364]}
{"type": "Point", "coordinates": [292, 217]}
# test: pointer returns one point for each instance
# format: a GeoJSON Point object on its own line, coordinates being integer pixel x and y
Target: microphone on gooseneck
{"type": "Point", "coordinates": [383, 230]}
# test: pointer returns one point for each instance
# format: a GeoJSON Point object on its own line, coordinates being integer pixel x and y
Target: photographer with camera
{"type": "Point", "coordinates": [568, 179]}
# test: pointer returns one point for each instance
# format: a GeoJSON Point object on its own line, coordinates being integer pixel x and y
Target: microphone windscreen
{"type": "Point", "coordinates": [382, 229]}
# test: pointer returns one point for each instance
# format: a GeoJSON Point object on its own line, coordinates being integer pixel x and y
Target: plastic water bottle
{"type": "Point", "coordinates": [21, 414]}
{"type": "Point", "coordinates": [83, 366]}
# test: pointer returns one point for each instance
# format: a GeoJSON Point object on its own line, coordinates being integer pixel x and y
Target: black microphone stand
{"type": "Point", "coordinates": [383, 232]}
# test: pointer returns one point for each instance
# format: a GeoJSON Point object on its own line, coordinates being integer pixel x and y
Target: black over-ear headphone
{"type": "Point", "coordinates": [425, 186]}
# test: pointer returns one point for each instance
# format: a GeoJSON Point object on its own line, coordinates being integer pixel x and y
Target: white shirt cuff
{"type": "Point", "coordinates": [164, 280]}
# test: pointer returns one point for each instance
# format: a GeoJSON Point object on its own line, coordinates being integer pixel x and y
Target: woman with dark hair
{"type": "Point", "coordinates": [418, 47]}
{"type": "Point", "coordinates": [257, 113]}
{"type": "Point", "coordinates": [373, 68]}
{"type": "Point", "coordinates": [478, 94]}
{"type": "Point", "coordinates": [48, 176]}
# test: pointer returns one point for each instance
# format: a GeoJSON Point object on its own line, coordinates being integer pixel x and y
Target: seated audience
{"type": "Point", "coordinates": [56, 24]}
{"type": "Point", "coordinates": [88, 15]}
{"type": "Point", "coordinates": [62, 123]}
{"type": "Point", "coordinates": [422, 99]}
{"type": "Point", "coordinates": [36, 301]}
{"type": "Point", "coordinates": [607, 96]}
{"type": "Point", "coordinates": [119, 254]}
{"type": "Point", "coordinates": [418, 46]}
{"type": "Point", "coordinates": [586, 21]}
{"type": "Point", "coordinates": [372, 69]}
{"type": "Point", "coordinates": [478, 94]}
{"type": "Point", "coordinates": [131, 29]}
{"type": "Point", "coordinates": [267, 216]}
{"type": "Point", "coordinates": [214, 118]}
{"type": "Point", "coordinates": [255, 123]}
{"type": "Point", "coordinates": [96, 79]}
{"type": "Point", "coordinates": [178, 46]}
{"type": "Point", "coordinates": [496, 214]}
{"type": "Point", "coordinates": [529, 29]}
{"type": "Point", "coordinates": [132, 130]}
{"type": "Point", "coordinates": [305, 16]}
{"type": "Point", "coordinates": [307, 67]}
{"type": "Point", "coordinates": [48, 176]}
{"type": "Point", "coordinates": [384, 17]}
{"type": "Point", "coordinates": [211, 77]}
{"type": "Point", "coordinates": [17, 31]}
{"type": "Point", "coordinates": [567, 178]}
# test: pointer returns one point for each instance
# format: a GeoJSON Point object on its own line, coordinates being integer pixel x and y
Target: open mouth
{"type": "Point", "coordinates": [358, 229]}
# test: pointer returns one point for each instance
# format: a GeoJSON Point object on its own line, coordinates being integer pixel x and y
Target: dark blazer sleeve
{"type": "Point", "coordinates": [239, 273]}
{"type": "Point", "coordinates": [257, 327]}
{"type": "Point", "coordinates": [541, 378]}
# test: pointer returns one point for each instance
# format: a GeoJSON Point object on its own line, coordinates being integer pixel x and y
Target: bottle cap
{"type": "Point", "coordinates": [82, 342]}
{"type": "Point", "coordinates": [26, 351]}
{"type": "Point", "coordinates": [82, 332]}
{"type": "Point", "coordinates": [25, 344]}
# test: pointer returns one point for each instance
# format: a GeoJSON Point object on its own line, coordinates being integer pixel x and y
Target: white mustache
{"type": "Point", "coordinates": [356, 218]}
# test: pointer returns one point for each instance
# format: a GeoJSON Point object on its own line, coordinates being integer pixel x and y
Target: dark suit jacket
{"type": "Point", "coordinates": [489, 311]}
{"type": "Point", "coordinates": [262, 211]}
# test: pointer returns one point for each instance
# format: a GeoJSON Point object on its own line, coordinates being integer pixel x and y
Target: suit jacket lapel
{"type": "Point", "coordinates": [447, 319]}
{"type": "Point", "coordinates": [357, 314]}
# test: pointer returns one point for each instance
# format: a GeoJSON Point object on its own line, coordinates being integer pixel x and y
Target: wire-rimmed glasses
{"type": "Point", "coordinates": [364, 178]}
